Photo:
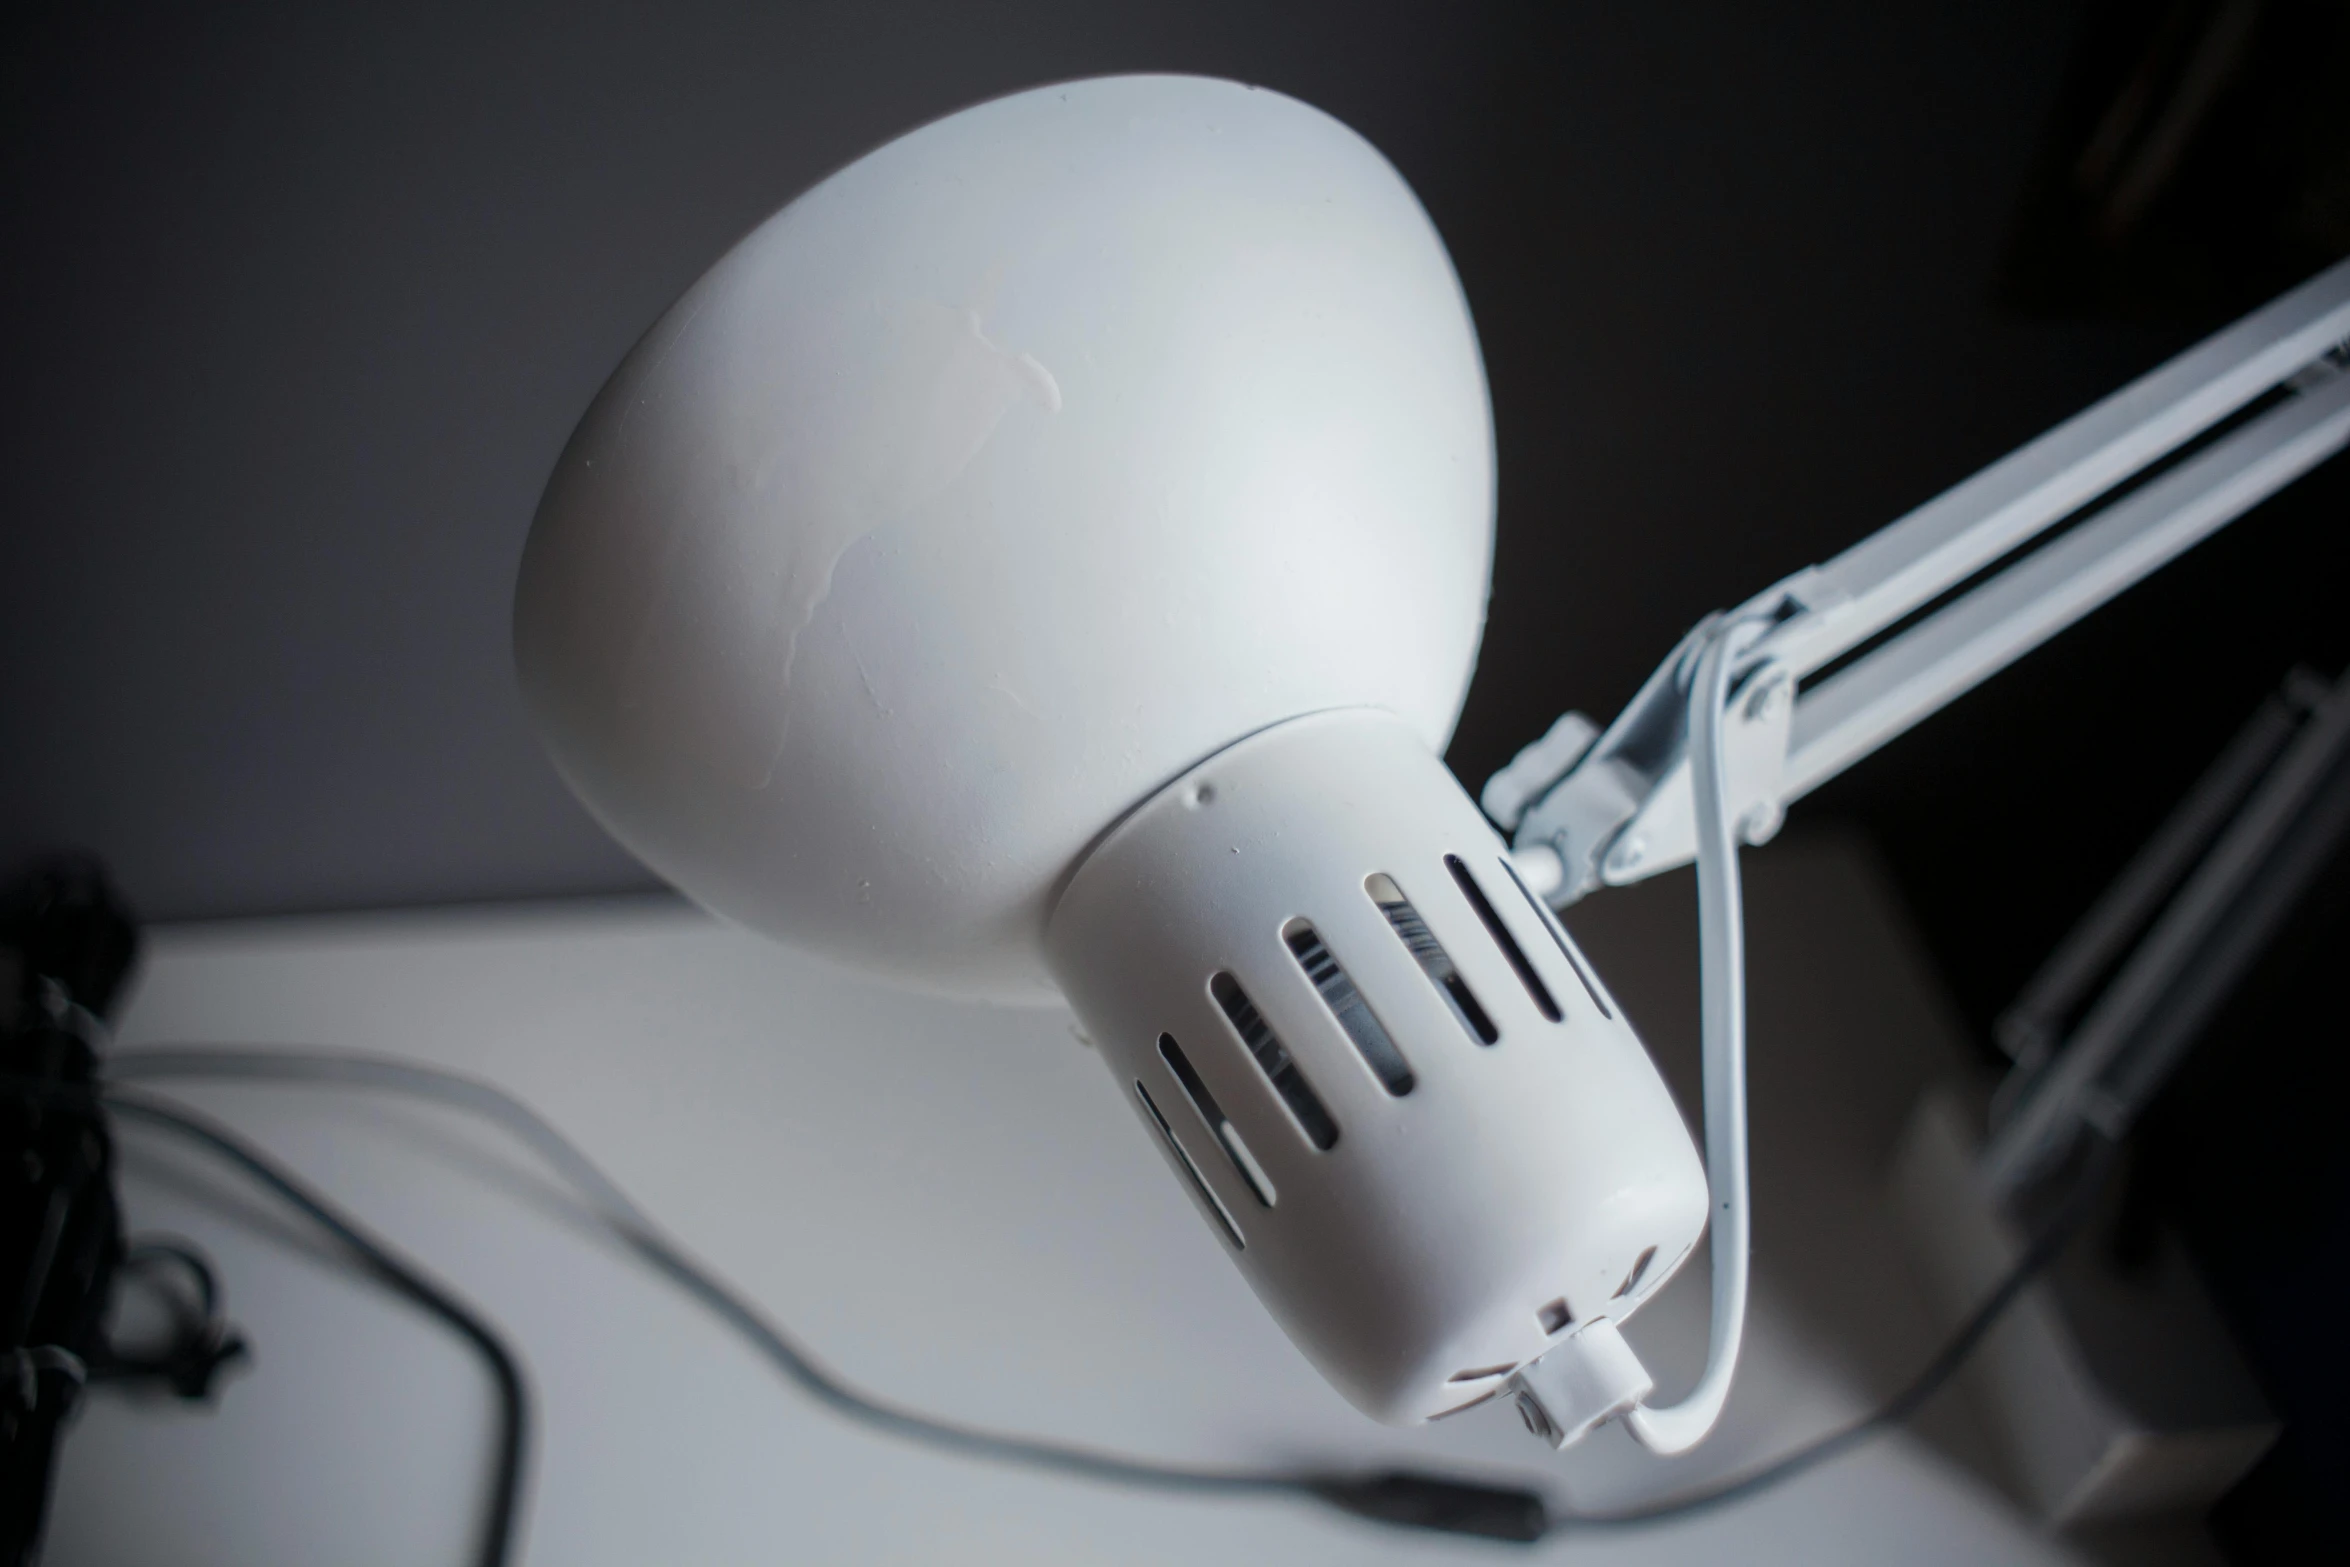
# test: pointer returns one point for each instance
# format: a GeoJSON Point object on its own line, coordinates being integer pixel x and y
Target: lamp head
{"type": "Point", "coordinates": [991, 484]}
{"type": "Point", "coordinates": [1048, 556]}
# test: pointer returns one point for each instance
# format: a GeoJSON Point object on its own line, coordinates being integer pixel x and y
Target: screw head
{"type": "Point", "coordinates": [1628, 854]}
{"type": "Point", "coordinates": [1769, 697]}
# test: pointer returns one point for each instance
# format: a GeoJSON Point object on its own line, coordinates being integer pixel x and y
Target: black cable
{"type": "Point", "coordinates": [377, 1258]}
{"type": "Point", "coordinates": [1406, 1498]}
{"type": "Point", "coordinates": [2042, 1249]}
{"type": "Point", "coordinates": [146, 1251]}
{"type": "Point", "coordinates": [203, 1342]}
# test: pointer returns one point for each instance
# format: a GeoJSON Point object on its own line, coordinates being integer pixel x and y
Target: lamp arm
{"type": "Point", "coordinates": [1909, 619]}
{"type": "Point", "coordinates": [1758, 707]}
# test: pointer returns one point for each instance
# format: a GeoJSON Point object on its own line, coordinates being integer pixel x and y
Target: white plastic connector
{"type": "Point", "coordinates": [1534, 770]}
{"type": "Point", "coordinates": [1540, 868]}
{"type": "Point", "coordinates": [1591, 1378]}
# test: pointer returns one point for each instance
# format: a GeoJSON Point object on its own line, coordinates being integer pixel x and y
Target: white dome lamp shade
{"type": "Point", "coordinates": [1047, 558]}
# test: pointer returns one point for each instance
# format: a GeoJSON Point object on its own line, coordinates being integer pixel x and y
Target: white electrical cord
{"type": "Point", "coordinates": [1721, 946]}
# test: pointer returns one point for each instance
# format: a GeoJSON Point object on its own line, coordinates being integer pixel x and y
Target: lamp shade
{"type": "Point", "coordinates": [990, 485]}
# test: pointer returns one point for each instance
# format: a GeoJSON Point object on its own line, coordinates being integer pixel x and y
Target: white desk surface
{"type": "Point", "coordinates": [955, 1206]}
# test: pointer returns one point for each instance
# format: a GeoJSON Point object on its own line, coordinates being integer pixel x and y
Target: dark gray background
{"type": "Point", "coordinates": [300, 303]}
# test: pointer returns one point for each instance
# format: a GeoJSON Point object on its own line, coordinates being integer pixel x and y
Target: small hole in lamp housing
{"type": "Point", "coordinates": [1555, 1317]}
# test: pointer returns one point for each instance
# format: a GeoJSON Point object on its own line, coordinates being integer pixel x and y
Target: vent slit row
{"type": "Point", "coordinates": [1429, 953]}
{"type": "Point", "coordinates": [1236, 1149]}
{"type": "Point", "coordinates": [1274, 1060]}
{"type": "Point", "coordinates": [1558, 933]}
{"type": "Point", "coordinates": [1544, 1003]}
{"type": "Point", "coordinates": [1199, 1184]}
{"type": "Point", "coordinates": [1347, 1005]}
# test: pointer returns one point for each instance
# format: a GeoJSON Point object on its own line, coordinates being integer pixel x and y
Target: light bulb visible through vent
{"type": "Point", "coordinates": [1275, 1061]}
{"type": "Point", "coordinates": [1429, 953]}
{"type": "Point", "coordinates": [1346, 1004]}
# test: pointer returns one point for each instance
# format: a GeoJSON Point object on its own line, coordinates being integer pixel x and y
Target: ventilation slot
{"type": "Point", "coordinates": [1558, 934]}
{"type": "Point", "coordinates": [1555, 1317]}
{"type": "Point", "coordinates": [1227, 1134]}
{"type": "Point", "coordinates": [1480, 1373]}
{"type": "Point", "coordinates": [1486, 1397]}
{"type": "Point", "coordinates": [1287, 1080]}
{"type": "Point", "coordinates": [1430, 953]}
{"type": "Point", "coordinates": [1502, 937]}
{"type": "Point", "coordinates": [1639, 1272]}
{"type": "Point", "coordinates": [1348, 1006]}
{"type": "Point", "coordinates": [1207, 1198]}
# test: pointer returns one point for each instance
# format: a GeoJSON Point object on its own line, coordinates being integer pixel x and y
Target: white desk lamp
{"type": "Point", "coordinates": [1049, 555]}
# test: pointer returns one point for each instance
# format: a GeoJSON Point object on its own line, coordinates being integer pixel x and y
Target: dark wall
{"type": "Point", "coordinates": [299, 303]}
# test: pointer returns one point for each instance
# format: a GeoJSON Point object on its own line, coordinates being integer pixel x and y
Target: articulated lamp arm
{"type": "Point", "coordinates": [2030, 544]}
{"type": "Point", "coordinates": [1728, 730]}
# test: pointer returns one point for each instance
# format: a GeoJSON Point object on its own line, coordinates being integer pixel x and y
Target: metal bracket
{"type": "Point", "coordinates": [1914, 616]}
{"type": "Point", "coordinates": [1623, 801]}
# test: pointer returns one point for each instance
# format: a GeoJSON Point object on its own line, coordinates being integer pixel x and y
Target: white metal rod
{"type": "Point", "coordinates": [1909, 562]}
{"type": "Point", "coordinates": [1860, 708]}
